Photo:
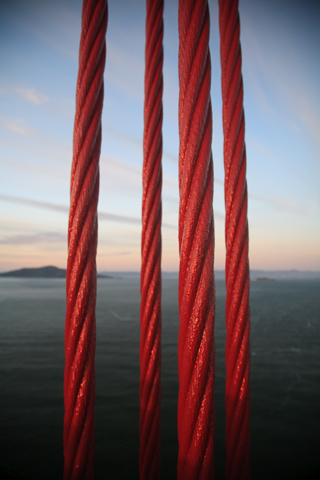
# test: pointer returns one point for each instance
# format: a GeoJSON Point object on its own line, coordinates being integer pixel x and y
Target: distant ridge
{"type": "Point", "coordinates": [256, 275]}
{"type": "Point", "coordinates": [42, 272]}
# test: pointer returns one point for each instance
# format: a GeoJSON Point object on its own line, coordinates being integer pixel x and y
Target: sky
{"type": "Point", "coordinates": [39, 43]}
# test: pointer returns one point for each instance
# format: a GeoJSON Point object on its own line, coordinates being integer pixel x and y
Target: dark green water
{"type": "Point", "coordinates": [285, 379]}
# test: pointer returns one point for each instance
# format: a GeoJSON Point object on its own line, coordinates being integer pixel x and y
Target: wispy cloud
{"type": "Point", "coordinates": [118, 218]}
{"type": "Point", "coordinates": [64, 209]}
{"type": "Point", "coordinates": [120, 176]}
{"type": "Point", "coordinates": [44, 147]}
{"type": "Point", "coordinates": [32, 95]}
{"type": "Point", "coordinates": [34, 203]}
{"type": "Point", "coordinates": [137, 143]}
{"type": "Point", "coordinates": [34, 169]}
{"type": "Point", "coordinates": [120, 253]}
{"type": "Point", "coordinates": [218, 215]}
{"type": "Point", "coordinates": [218, 181]}
{"type": "Point", "coordinates": [17, 126]}
{"type": "Point", "coordinates": [58, 105]}
{"type": "Point", "coordinates": [43, 237]}
{"type": "Point", "coordinates": [279, 204]}
{"type": "Point", "coordinates": [125, 219]}
{"type": "Point", "coordinates": [124, 167]}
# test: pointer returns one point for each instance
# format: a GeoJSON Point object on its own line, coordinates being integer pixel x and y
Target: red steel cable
{"type": "Point", "coordinates": [196, 356]}
{"type": "Point", "coordinates": [236, 231]}
{"type": "Point", "coordinates": [80, 327]}
{"type": "Point", "coordinates": [150, 287]}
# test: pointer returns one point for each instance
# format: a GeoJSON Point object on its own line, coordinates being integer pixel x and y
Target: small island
{"type": "Point", "coordinates": [42, 272]}
{"type": "Point", "coordinates": [262, 279]}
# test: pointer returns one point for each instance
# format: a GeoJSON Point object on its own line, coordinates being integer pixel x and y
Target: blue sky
{"type": "Point", "coordinates": [39, 43]}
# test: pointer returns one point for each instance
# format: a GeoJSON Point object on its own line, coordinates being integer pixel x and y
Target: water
{"type": "Point", "coordinates": [285, 379]}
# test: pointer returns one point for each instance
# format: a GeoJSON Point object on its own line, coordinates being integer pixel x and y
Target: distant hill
{"type": "Point", "coordinates": [255, 275]}
{"type": "Point", "coordinates": [42, 272]}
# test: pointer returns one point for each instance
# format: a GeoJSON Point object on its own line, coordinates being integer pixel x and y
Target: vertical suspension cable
{"type": "Point", "coordinates": [150, 287]}
{"type": "Point", "coordinates": [236, 231]}
{"type": "Point", "coordinates": [80, 326]}
{"type": "Point", "coordinates": [196, 358]}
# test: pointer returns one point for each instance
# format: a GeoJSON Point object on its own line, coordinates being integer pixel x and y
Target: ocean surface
{"type": "Point", "coordinates": [285, 379]}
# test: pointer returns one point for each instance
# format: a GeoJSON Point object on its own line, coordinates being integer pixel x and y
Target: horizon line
{"type": "Point", "coordinates": [101, 270]}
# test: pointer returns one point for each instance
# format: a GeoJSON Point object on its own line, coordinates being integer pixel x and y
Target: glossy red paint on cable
{"type": "Point", "coordinates": [237, 390]}
{"type": "Point", "coordinates": [196, 355]}
{"type": "Point", "coordinates": [80, 326]}
{"type": "Point", "coordinates": [150, 282]}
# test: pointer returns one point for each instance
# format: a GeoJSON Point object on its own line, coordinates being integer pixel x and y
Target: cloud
{"type": "Point", "coordinates": [117, 164]}
{"type": "Point", "coordinates": [137, 143]}
{"type": "Point", "coordinates": [218, 181]}
{"type": "Point", "coordinates": [44, 148]}
{"type": "Point", "coordinates": [218, 215]}
{"type": "Point", "coordinates": [64, 209]}
{"type": "Point", "coordinates": [32, 95]}
{"type": "Point", "coordinates": [131, 220]}
{"type": "Point", "coordinates": [121, 253]}
{"type": "Point", "coordinates": [34, 169]}
{"type": "Point", "coordinates": [43, 237]}
{"type": "Point", "coordinates": [16, 126]}
{"type": "Point", "coordinates": [279, 204]}
{"type": "Point", "coordinates": [34, 203]}
{"type": "Point", "coordinates": [119, 176]}
{"type": "Point", "coordinates": [118, 218]}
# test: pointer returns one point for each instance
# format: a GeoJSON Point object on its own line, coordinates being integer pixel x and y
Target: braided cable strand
{"type": "Point", "coordinates": [150, 310]}
{"type": "Point", "coordinates": [80, 326]}
{"type": "Point", "coordinates": [237, 264]}
{"type": "Point", "coordinates": [196, 357]}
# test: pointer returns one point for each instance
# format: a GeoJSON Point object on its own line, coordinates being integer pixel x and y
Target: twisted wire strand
{"type": "Point", "coordinates": [150, 287]}
{"type": "Point", "coordinates": [196, 356]}
{"type": "Point", "coordinates": [236, 231]}
{"type": "Point", "coordinates": [80, 326]}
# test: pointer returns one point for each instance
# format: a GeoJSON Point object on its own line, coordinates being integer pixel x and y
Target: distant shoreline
{"type": "Point", "coordinates": [255, 275]}
{"type": "Point", "coordinates": [262, 279]}
{"type": "Point", "coordinates": [42, 272]}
